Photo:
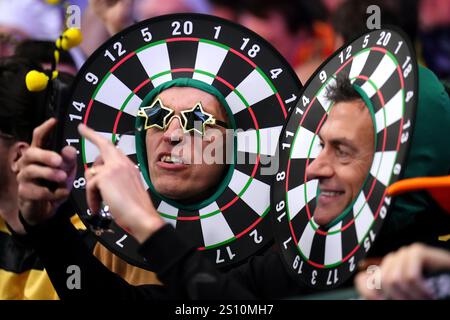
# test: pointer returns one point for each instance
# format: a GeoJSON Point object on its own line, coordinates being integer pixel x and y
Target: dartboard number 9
{"type": "Point", "coordinates": [259, 87]}
{"type": "Point", "coordinates": [314, 180]}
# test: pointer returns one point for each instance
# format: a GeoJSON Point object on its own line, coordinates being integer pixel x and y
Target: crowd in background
{"type": "Point", "coordinates": [305, 32]}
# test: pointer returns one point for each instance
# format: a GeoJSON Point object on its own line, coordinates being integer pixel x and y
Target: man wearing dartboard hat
{"type": "Point", "coordinates": [185, 273]}
{"type": "Point", "coordinates": [115, 180]}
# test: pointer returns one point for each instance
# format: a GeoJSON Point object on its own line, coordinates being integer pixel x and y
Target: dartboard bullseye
{"type": "Point", "coordinates": [381, 68]}
{"type": "Point", "coordinates": [259, 87]}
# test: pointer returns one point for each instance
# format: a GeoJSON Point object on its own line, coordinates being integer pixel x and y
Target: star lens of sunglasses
{"type": "Point", "coordinates": [159, 116]}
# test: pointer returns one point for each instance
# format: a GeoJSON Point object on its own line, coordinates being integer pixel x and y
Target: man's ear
{"type": "Point", "coordinates": [16, 152]}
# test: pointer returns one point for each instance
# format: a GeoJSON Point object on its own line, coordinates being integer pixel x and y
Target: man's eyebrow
{"type": "Point", "coordinates": [341, 141]}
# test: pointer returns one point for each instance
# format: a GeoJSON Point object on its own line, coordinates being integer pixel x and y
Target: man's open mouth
{"type": "Point", "coordinates": [171, 159]}
{"type": "Point", "coordinates": [331, 193]}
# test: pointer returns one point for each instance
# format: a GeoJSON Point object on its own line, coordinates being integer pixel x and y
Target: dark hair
{"type": "Point", "coordinates": [298, 14]}
{"type": "Point", "coordinates": [42, 52]}
{"type": "Point", "coordinates": [20, 110]}
{"type": "Point", "coordinates": [350, 19]}
{"type": "Point", "coordinates": [342, 90]}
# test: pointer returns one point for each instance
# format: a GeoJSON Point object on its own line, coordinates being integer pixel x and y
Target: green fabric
{"type": "Point", "coordinates": [141, 149]}
{"type": "Point", "coordinates": [415, 216]}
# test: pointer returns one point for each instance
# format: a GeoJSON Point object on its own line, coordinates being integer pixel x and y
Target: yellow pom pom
{"type": "Point", "coordinates": [56, 53]}
{"type": "Point", "coordinates": [53, 2]}
{"type": "Point", "coordinates": [36, 81]}
{"type": "Point", "coordinates": [55, 74]}
{"type": "Point", "coordinates": [71, 38]}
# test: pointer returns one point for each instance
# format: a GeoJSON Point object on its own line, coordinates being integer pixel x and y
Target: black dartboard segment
{"type": "Point", "coordinates": [257, 83]}
{"type": "Point", "coordinates": [383, 64]}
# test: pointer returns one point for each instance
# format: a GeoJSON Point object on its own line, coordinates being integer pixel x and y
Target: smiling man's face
{"type": "Point", "coordinates": [347, 141]}
{"type": "Point", "coordinates": [176, 160]}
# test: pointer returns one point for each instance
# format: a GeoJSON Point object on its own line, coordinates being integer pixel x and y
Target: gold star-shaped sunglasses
{"type": "Point", "coordinates": [157, 115]}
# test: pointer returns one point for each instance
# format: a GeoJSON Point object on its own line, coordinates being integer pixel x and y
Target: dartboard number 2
{"type": "Point", "coordinates": [257, 238]}
{"type": "Point", "coordinates": [188, 27]}
{"type": "Point", "coordinates": [219, 259]}
{"type": "Point", "coordinates": [120, 52]}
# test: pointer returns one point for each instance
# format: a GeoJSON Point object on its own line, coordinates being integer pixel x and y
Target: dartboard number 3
{"type": "Point", "coordinates": [219, 258]}
{"type": "Point", "coordinates": [187, 29]}
{"type": "Point", "coordinates": [253, 51]}
{"type": "Point", "coordinates": [118, 50]}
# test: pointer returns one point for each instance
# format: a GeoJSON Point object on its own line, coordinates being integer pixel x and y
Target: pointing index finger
{"type": "Point", "coordinates": [105, 146]}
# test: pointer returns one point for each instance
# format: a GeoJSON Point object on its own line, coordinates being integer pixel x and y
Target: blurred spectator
{"type": "Point", "coordinates": [103, 18]}
{"type": "Point", "coordinates": [434, 33]}
{"type": "Point", "coordinates": [350, 19]}
{"type": "Point", "coordinates": [22, 19]}
{"type": "Point", "coordinates": [224, 9]}
{"type": "Point", "coordinates": [296, 28]}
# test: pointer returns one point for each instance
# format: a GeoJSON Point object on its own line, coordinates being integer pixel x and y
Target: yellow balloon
{"type": "Point", "coordinates": [36, 81]}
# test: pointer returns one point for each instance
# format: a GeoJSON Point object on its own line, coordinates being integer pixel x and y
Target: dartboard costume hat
{"type": "Point", "coordinates": [382, 69]}
{"type": "Point", "coordinates": [255, 85]}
